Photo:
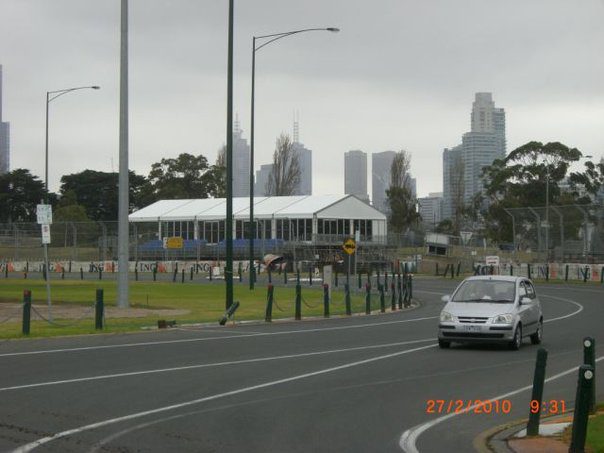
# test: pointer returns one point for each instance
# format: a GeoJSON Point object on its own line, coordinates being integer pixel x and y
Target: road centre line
{"type": "Point", "coordinates": [32, 445]}
{"type": "Point", "coordinates": [209, 365]}
{"type": "Point", "coordinates": [409, 438]}
{"type": "Point", "coordinates": [192, 340]}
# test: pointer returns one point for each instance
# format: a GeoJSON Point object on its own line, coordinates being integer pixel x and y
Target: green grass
{"type": "Point", "coordinates": [595, 432]}
{"type": "Point", "coordinates": [205, 302]}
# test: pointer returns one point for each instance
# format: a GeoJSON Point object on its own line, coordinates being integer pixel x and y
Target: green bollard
{"type": "Point", "coordinates": [136, 274]}
{"type": "Point", "coordinates": [566, 273]}
{"type": "Point", "coordinates": [368, 299]}
{"type": "Point", "coordinates": [386, 281]}
{"type": "Point", "coordinates": [528, 266]}
{"type": "Point", "coordinates": [436, 273]}
{"type": "Point", "coordinates": [62, 274]}
{"type": "Point", "coordinates": [182, 275]}
{"type": "Point", "coordinates": [452, 270]}
{"type": "Point", "coordinates": [100, 273]}
{"type": "Point", "coordinates": [298, 277]}
{"type": "Point", "coordinates": [410, 287]}
{"type": "Point", "coordinates": [532, 427]}
{"type": "Point", "coordinates": [382, 299]}
{"type": "Point", "coordinates": [392, 296]}
{"type": "Point", "coordinates": [268, 317]}
{"type": "Point", "coordinates": [155, 273]}
{"type": "Point", "coordinates": [81, 274]}
{"type": "Point", "coordinates": [602, 275]}
{"type": "Point", "coordinates": [310, 276]}
{"type": "Point", "coordinates": [511, 269]}
{"type": "Point", "coordinates": [26, 312]}
{"type": "Point", "coordinates": [585, 273]}
{"type": "Point", "coordinates": [43, 272]}
{"type": "Point", "coordinates": [298, 301]}
{"type": "Point", "coordinates": [589, 358]}
{"type": "Point", "coordinates": [191, 276]}
{"type": "Point", "coordinates": [581, 413]}
{"type": "Point", "coordinates": [359, 279]}
{"type": "Point", "coordinates": [174, 274]}
{"type": "Point", "coordinates": [240, 272]}
{"type": "Point", "coordinates": [325, 300]}
{"type": "Point", "coordinates": [547, 272]}
{"type": "Point", "coordinates": [458, 268]}
{"type": "Point", "coordinates": [285, 276]}
{"type": "Point", "coordinates": [210, 274]}
{"type": "Point", "coordinates": [400, 293]}
{"type": "Point", "coordinates": [99, 309]}
{"type": "Point", "coordinates": [347, 299]}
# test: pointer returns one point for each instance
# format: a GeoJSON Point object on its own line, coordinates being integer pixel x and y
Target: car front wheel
{"type": "Point", "coordinates": [536, 337]}
{"type": "Point", "coordinates": [517, 340]}
{"type": "Point", "coordinates": [444, 344]}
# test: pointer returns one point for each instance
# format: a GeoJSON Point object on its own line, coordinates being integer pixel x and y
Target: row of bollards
{"type": "Point", "coordinates": [405, 294]}
{"type": "Point", "coordinates": [99, 311]}
{"type": "Point", "coordinates": [585, 398]}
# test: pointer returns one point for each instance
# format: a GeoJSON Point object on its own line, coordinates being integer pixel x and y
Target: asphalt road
{"type": "Point", "coordinates": [360, 384]}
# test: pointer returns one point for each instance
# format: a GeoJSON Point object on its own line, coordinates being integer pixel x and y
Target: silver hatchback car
{"type": "Point", "coordinates": [491, 309]}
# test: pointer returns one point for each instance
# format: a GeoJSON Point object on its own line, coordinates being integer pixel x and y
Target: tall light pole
{"type": "Point", "coordinates": [51, 96]}
{"type": "Point", "coordinates": [271, 38]}
{"type": "Point", "coordinates": [228, 274]}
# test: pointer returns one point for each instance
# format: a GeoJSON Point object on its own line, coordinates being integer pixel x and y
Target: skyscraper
{"type": "Point", "coordinates": [4, 137]}
{"type": "Point", "coordinates": [355, 174]}
{"type": "Point", "coordinates": [262, 177]}
{"type": "Point", "coordinates": [430, 209]}
{"type": "Point", "coordinates": [304, 159]}
{"type": "Point", "coordinates": [241, 163]}
{"type": "Point", "coordinates": [381, 164]}
{"type": "Point", "coordinates": [463, 164]}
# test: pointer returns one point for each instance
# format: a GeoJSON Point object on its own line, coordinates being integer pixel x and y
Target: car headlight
{"type": "Point", "coordinates": [503, 319]}
{"type": "Point", "coordinates": [446, 317]}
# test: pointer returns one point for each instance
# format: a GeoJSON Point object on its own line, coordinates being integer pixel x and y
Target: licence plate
{"type": "Point", "coordinates": [472, 328]}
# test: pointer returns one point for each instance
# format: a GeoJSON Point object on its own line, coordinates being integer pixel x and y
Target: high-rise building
{"type": "Point", "coordinates": [463, 164]}
{"type": "Point", "coordinates": [305, 162]}
{"type": "Point", "coordinates": [4, 137]}
{"type": "Point", "coordinates": [430, 209]}
{"type": "Point", "coordinates": [381, 164]}
{"type": "Point", "coordinates": [262, 176]}
{"type": "Point", "coordinates": [355, 174]}
{"type": "Point", "coordinates": [241, 163]}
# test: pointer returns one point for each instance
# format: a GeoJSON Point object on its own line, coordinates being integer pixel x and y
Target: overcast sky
{"type": "Point", "coordinates": [400, 75]}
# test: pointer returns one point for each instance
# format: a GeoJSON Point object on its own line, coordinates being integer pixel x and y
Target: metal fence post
{"type": "Point", "coordinates": [347, 299]}
{"type": "Point", "coordinates": [298, 314]}
{"type": "Point", "coordinates": [532, 427]}
{"type": "Point", "coordinates": [325, 300]}
{"type": "Point", "coordinates": [392, 295]}
{"type": "Point", "coordinates": [382, 299]}
{"type": "Point", "coordinates": [99, 309]}
{"type": "Point", "coordinates": [589, 358]}
{"type": "Point", "coordinates": [26, 312]}
{"type": "Point", "coordinates": [581, 413]}
{"type": "Point", "coordinates": [368, 298]}
{"type": "Point", "coordinates": [268, 317]}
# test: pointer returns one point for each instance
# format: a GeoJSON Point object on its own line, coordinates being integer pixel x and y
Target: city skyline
{"type": "Point", "coordinates": [351, 95]}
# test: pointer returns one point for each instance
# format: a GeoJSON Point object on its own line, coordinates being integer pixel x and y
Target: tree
{"type": "Point", "coordinates": [187, 176]}
{"type": "Point", "coordinates": [284, 178]}
{"type": "Point", "coordinates": [97, 192]}
{"type": "Point", "coordinates": [20, 192]}
{"type": "Point", "coordinates": [403, 212]}
{"type": "Point", "coordinates": [68, 209]}
{"type": "Point", "coordinates": [219, 170]}
{"type": "Point", "coordinates": [521, 180]}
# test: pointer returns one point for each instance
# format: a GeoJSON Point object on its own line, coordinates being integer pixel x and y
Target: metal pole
{"type": "Point", "coordinates": [547, 217]}
{"type": "Point", "coordinates": [47, 282]}
{"type": "Point", "coordinates": [122, 235]}
{"type": "Point", "coordinates": [46, 152]}
{"type": "Point", "coordinates": [228, 274]}
{"type": "Point", "coordinates": [252, 229]}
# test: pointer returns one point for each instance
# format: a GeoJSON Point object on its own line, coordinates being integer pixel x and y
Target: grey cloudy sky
{"type": "Point", "coordinates": [400, 74]}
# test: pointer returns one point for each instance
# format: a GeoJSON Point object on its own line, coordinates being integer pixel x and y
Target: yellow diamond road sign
{"type": "Point", "coordinates": [349, 246]}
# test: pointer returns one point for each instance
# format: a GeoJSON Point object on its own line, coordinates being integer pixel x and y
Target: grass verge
{"type": "Point", "coordinates": [204, 302]}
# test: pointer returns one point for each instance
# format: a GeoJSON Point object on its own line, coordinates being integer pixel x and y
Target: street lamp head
{"type": "Point", "coordinates": [95, 87]}
{"type": "Point", "coordinates": [587, 157]}
{"type": "Point", "coordinates": [333, 29]}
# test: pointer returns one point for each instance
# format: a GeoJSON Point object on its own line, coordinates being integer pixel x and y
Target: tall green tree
{"type": "Point", "coordinates": [403, 206]}
{"type": "Point", "coordinates": [20, 192]}
{"type": "Point", "coordinates": [97, 192]}
{"type": "Point", "coordinates": [186, 176]}
{"type": "Point", "coordinates": [68, 209]}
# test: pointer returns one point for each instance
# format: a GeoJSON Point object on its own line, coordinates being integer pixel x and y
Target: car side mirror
{"type": "Point", "coordinates": [525, 300]}
{"type": "Point", "coordinates": [446, 298]}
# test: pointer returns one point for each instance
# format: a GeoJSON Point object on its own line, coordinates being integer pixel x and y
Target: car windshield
{"type": "Point", "coordinates": [488, 291]}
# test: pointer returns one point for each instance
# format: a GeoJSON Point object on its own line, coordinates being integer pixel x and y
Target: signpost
{"type": "Point", "coordinates": [349, 247]}
{"type": "Point", "coordinates": [44, 218]}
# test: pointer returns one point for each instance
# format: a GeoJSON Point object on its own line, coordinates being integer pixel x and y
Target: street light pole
{"type": "Point", "coordinates": [51, 96]}
{"type": "Point", "coordinates": [273, 37]}
{"type": "Point", "coordinates": [228, 273]}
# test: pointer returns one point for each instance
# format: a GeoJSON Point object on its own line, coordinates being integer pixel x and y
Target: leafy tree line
{"type": "Point", "coordinates": [93, 195]}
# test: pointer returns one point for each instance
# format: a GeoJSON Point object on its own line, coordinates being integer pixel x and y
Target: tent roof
{"type": "Point", "coordinates": [298, 206]}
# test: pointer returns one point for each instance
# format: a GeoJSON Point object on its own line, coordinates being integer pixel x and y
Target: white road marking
{"type": "Point", "coordinates": [32, 445]}
{"type": "Point", "coordinates": [409, 438]}
{"type": "Point", "coordinates": [209, 365]}
{"type": "Point", "coordinates": [192, 340]}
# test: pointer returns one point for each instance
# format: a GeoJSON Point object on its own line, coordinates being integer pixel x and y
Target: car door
{"type": "Point", "coordinates": [535, 310]}
{"type": "Point", "coordinates": [524, 308]}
